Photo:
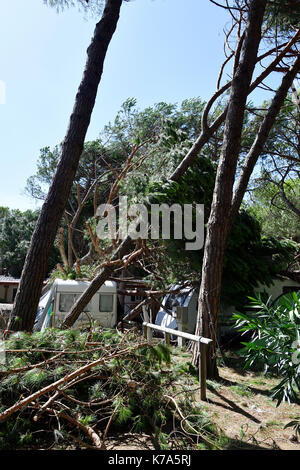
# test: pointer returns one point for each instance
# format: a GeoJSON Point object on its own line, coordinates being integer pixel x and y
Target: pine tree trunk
{"type": "Point", "coordinates": [36, 262]}
{"type": "Point", "coordinates": [217, 229]}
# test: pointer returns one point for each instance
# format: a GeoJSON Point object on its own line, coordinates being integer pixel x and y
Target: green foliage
{"type": "Point", "coordinates": [295, 424]}
{"type": "Point", "coordinates": [252, 259]}
{"type": "Point", "coordinates": [34, 379]}
{"type": "Point", "coordinates": [272, 212]}
{"type": "Point", "coordinates": [123, 413]}
{"type": "Point", "coordinates": [133, 389]}
{"type": "Point", "coordinates": [16, 229]}
{"type": "Point", "coordinates": [275, 342]}
{"type": "Point", "coordinates": [159, 353]}
{"type": "Point", "coordinates": [283, 14]}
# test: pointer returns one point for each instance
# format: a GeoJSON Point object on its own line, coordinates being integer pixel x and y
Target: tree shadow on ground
{"type": "Point", "coordinates": [230, 383]}
{"type": "Point", "coordinates": [232, 406]}
{"type": "Point", "coordinates": [236, 444]}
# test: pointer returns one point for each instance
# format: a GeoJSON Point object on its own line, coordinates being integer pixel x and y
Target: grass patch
{"type": "Point", "coordinates": [242, 390]}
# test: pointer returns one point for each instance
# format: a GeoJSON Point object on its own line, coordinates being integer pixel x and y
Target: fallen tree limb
{"type": "Point", "coordinates": [54, 386]}
{"type": "Point", "coordinates": [183, 418]}
{"type": "Point", "coordinates": [87, 429]}
{"type": "Point", "coordinates": [32, 366]}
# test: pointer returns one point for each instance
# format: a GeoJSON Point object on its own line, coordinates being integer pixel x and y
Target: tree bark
{"type": "Point", "coordinates": [216, 236]}
{"type": "Point", "coordinates": [36, 262]}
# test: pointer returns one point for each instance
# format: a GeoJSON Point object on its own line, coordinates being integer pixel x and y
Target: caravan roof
{"type": "Point", "coordinates": [79, 286]}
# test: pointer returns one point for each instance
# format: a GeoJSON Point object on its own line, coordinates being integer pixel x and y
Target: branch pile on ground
{"type": "Point", "coordinates": [78, 389]}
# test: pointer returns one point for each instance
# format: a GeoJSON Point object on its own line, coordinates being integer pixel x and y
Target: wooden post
{"type": "Point", "coordinates": [149, 334]}
{"type": "Point", "coordinates": [203, 344]}
{"type": "Point", "coordinates": [202, 370]}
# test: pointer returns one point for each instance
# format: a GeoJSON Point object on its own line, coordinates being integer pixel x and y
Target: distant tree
{"type": "Point", "coordinates": [274, 215]}
{"type": "Point", "coordinates": [16, 229]}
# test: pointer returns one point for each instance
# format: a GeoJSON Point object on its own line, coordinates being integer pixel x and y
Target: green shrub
{"type": "Point", "coordinates": [275, 342]}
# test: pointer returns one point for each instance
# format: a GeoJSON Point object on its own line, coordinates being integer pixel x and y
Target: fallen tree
{"type": "Point", "coordinates": [79, 389]}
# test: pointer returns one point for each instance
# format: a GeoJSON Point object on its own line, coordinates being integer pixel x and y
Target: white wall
{"type": "Point", "coordinates": [278, 287]}
{"type": "Point", "coordinates": [10, 291]}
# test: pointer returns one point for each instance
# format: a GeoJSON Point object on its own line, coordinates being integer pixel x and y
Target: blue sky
{"type": "Point", "coordinates": [163, 50]}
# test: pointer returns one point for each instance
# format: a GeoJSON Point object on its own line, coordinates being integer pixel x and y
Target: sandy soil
{"type": "Point", "coordinates": [240, 405]}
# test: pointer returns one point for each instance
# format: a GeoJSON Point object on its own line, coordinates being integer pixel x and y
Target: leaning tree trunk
{"type": "Point", "coordinates": [261, 138]}
{"type": "Point", "coordinates": [217, 229]}
{"type": "Point", "coordinates": [36, 262]}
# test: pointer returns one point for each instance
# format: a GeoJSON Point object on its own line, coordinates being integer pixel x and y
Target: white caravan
{"type": "Point", "coordinates": [55, 304]}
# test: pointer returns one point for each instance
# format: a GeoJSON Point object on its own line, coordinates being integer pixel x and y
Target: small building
{"type": "Point", "coordinates": [8, 288]}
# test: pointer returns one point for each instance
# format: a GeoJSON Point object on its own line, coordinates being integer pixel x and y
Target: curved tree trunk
{"type": "Point", "coordinates": [36, 262]}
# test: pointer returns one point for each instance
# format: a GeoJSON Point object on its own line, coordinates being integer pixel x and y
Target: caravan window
{"type": "Point", "coordinates": [106, 302]}
{"type": "Point", "coordinates": [66, 302]}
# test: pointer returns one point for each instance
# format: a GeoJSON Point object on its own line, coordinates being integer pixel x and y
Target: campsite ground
{"type": "Point", "coordinates": [240, 406]}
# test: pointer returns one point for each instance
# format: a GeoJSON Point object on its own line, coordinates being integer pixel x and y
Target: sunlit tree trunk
{"type": "Point", "coordinates": [217, 229]}
{"type": "Point", "coordinates": [36, 263]}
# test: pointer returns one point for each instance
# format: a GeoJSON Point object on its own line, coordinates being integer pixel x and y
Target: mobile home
{"type": "Point", "coordinates": [55, 304]}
